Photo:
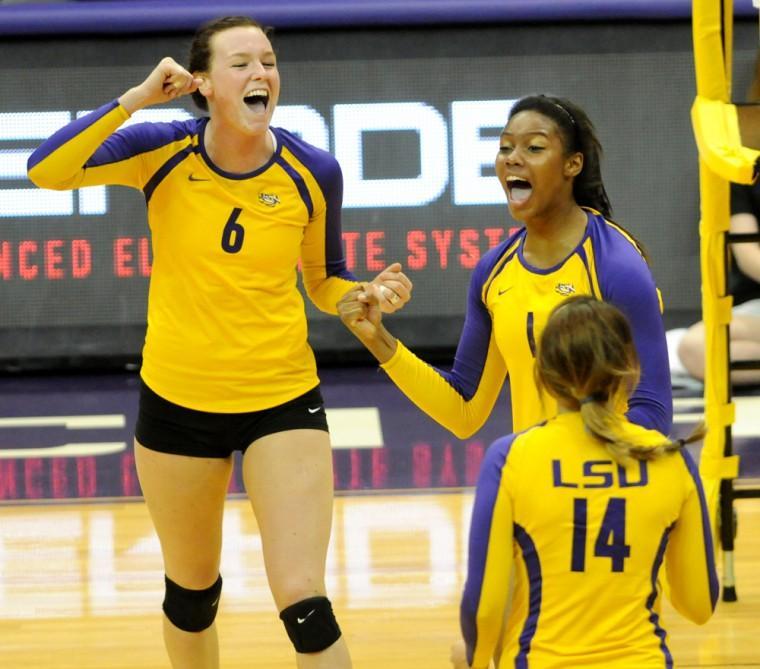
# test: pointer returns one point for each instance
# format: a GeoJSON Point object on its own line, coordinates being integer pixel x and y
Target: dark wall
{"type": "Point", "coordinates": [72, 284]}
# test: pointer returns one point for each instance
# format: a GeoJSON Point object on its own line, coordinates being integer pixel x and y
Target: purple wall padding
{"type": "Point", "coordinates": [144, 16]}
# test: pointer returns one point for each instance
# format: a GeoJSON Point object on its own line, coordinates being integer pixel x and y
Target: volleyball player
{"type": "Point", "coordinates": [233, 204]}
{"type": "Point", "coordinates": [548, 164]}
{"type": "Point", "coordinates": [744, 287]}
{"type": "Point", "coordinates": [582, 512]}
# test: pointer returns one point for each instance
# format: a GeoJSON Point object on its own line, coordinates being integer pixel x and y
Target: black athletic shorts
{"type": "Point", "coordinates": [167, 427]}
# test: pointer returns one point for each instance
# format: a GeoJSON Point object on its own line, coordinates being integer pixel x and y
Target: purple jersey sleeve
{"type": "Point", "coordinates": [327, 172]}
{"type": "Point", "coordinates": [626, 281]}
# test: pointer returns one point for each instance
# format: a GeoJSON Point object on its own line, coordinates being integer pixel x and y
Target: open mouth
{"type": "Point", "coordinates": [518, 190]}
{"type": "Point", "coordinates": [257, 100]}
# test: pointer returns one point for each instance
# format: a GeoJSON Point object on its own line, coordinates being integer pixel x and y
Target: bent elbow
{"type": "Point", "coordinates": [36, 178]}
{"type": "Point", "coordinates": [318, 300]}
{"type": "Point", "coordinates": [467, 424]}
{"type": "Point", "coordinates": [698, 613]}
{"type": "Point", "coordinates": [33, 173]}
{"type": "Point", "coordinates": [702, 616]}
{"type": "Point", "coordinates": [52, 174]}
{"type": "Point", "coordinates": [42, 180]}
{"type": "Point", "coordinates": [464, 431]}
{"type": "Point", "coordinates": [661, 418]}
{"type": "Point", "coordinates": [652, 416]}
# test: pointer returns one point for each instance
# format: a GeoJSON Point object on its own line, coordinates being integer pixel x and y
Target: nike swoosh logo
{"type": "Point", "coordinates": [194, 178]}
{"type": "Point", "coordinates": [301, 621]}
{"type": "Point", "coordinates": [501, 292]}
{"type": "Point", "coordinates": [310, 410]}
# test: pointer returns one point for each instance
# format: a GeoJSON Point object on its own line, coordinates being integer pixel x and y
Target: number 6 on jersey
{"type": "Point", "coordinates": [233, 233]}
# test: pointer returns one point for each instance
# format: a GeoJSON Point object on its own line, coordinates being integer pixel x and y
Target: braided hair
{"type": "Point", "coordinates": [587, 360]}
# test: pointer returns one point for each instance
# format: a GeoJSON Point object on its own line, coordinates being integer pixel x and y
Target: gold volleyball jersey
{"type": "Point", "coordinates": [508, 304]}
{"type": "Point", "coordinates": [226, 322]}
{"type": "Point", "coordinates": [585, 540]}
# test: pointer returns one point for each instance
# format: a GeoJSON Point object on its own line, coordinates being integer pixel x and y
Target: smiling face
{"type": "Point", "coordinates": [242, 84]}
{"type": "Point", "coordinates": [534, 168]}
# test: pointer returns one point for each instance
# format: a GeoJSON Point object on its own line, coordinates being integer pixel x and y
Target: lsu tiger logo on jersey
{"type": "Point", "coordinates": [564, 288]}
{"type": "Point", "coordinates": [269, 200]}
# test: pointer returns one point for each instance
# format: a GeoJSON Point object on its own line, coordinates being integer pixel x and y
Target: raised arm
{"type": "Point", "coordinates": [168, 81]}
{"type": "Point", "coordinates": [62, 161]}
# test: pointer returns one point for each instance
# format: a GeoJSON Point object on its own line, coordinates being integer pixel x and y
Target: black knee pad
{"type": "Point", "coordinates": [191, 610]}
{"type": "Point", "coordinates": [311, 624]}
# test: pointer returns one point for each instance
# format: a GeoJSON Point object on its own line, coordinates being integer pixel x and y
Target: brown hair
{"type": "Point", "coordinates": [587, 360]}
{"type": "Point", "coordinates": [199, 59]}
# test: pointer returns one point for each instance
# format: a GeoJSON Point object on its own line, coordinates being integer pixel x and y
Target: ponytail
{"type": "Point", "coordinates": [606, 424]}
{"type": "Point", "coordinates": [587, 360]}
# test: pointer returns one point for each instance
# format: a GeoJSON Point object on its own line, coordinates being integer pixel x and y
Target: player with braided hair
{"type": "Point", "coordinates": [582, 512]}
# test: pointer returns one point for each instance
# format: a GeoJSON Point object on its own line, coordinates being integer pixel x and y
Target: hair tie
{"type": "Point", "coordinates": [594, 397]}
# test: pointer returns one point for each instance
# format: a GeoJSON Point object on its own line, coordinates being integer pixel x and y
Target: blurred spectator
{"type": "Point", "coordinates": [743, 283]}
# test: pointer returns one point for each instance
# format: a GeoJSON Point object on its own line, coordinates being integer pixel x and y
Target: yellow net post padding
{"type": "Point", "coordinates": [722, 159]}
{"type": "Point", "coordinates": [712, 67]}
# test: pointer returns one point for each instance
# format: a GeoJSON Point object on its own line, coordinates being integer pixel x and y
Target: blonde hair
{"type": "Point", "coordinates": [587, 360]}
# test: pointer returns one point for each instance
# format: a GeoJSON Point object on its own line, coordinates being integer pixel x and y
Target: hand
{"type": "Point", "coordinates": [360, 312]}
{"type": "Point", "coordinates": [459, 655]}
{"type": "Point", "coordinates": [392, 288]}
{"type": "Point", "coordinates": [168, 81]}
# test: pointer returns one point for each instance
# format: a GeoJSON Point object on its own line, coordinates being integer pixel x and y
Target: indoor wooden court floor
{"type": "Point", "coordinates": [81, 587]}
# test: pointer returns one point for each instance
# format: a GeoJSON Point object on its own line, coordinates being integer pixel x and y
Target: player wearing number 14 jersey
{"type": "Point", "coordinates": [224, 244]}
{"type": "Point", "coordinates": [585, 511]}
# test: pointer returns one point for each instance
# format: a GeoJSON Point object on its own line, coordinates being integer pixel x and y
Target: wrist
{"type": "Point", "coordinates": [132, 100]}
{"type": "Point", "coordinates": [382, 345]}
